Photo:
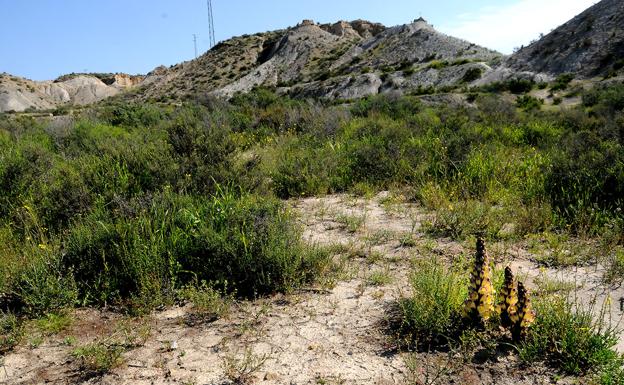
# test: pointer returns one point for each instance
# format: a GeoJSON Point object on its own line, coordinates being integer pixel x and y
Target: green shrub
{"type": "Point", "coordinates": [432, 315]}
{"type": "Point", "coordinates": [249, 243]}
{"type": "Point", "coordinates": [304, 167]}
{"type": "Point", "coordinates": [98, 358]}
{"type": "Point", "coordinates": [562, 82]}
{"type": "Point", "coordinates": [520, 86]}
{"type": "Point", "coordinates": [11, 331]}
{"type": "Point", "coordinates": [608, 99]}
{"type": "Point", "coordinates": [528, 103]}
{"type": "Point", "coordinates": [438, 64]}
{"type": "Point", "coordinates": [586, 180]}
{"type": "Point", "coordinates": [39, 284]}
{"type": "Point", "coordinates": [515, 86]}
{"type": "Point", "coordinates": [390, 106]}
{"type": "Point", "coordinates": [567, 337]}
{"type": "Point", "coordinates": [133, 115]}
{"type": "Point", "coordinates": [472, 74]}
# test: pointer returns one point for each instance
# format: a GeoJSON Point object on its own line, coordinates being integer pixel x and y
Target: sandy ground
{"type": "Point", "coordinates": [329, 334]}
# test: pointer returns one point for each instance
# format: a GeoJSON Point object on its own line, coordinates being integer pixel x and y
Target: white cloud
{"type": "Point", "coordinates": [511, 25]}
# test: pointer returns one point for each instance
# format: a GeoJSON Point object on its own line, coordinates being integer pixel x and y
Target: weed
{"type": "Point", "coordinates": [351, 223]}
{"type": "Point", "coordinates": [69, 341]}
{"type": "Point", "coordinates": [548, 286]}
{"type": "Point", "coordinates": [615, 267]}
{"type": "Point", "coordinates": [208, 302]}
{"type": "Point", "coordinates": [464, 218]}
{"type": "Point", "coordinates": [54, 323]}
{"type": "Point", "coordinates": [559, 250]}
{"type": "Point", "coordinates": [35, 342]}
{"type": "Point", "coordinates": [241, 370]}
{"type": "Point", "coordinates": [379, 278]}
{"type": "Point", "coordinates": [379, 237]}
{"type": "Point", "coordinates": [98, 358]}
{"type": "Point", "coordinates": [430, 369]}
{"type": "Point", "coordinates": [408, 240]}
{"type": "Point", "coordinates": [567, 336]}
{"type": "Point", "coordinates": [373, 257]}
{"type": "Point", "coordinates": [11, 331]}
{"type": "Point", "coordinates": [431, 316]}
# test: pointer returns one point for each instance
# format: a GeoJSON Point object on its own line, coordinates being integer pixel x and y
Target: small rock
{"type": "Point", "coordinates": [270, 376]}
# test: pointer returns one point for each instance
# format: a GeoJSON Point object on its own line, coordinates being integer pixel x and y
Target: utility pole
{"type": "Point", "coordinates": [211, 30]}
{"type": "Point", "coordinates": [195, 44]}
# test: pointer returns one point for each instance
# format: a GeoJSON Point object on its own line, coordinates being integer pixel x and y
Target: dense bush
{"type": "Point", "coordinates": [242, 242]}
{"type": "Point", "coordinates": [605, 99]}
{"type": "Point", "coordinates": [562, 82]}
{"type": "Point", "coordinates": [586, 181]}
{"type": "Point", "coordinates": [528, 102]}
{"type": "Point", "coordinates": [472, 74]}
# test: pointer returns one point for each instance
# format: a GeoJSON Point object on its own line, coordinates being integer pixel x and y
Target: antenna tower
{"type": "Point", "coordinates": [211, 31]}
{"type": "Point", "coordinates": [195, 44]}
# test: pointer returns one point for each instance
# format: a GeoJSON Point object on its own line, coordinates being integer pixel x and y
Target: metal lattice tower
{"type": "Point", "coordinates": [211, 31]}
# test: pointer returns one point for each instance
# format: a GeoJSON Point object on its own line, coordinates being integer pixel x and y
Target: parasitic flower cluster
{"type": "Point", "coordinates": [479, 306]}
{"type": "Point", "coordinates": [513, 301]}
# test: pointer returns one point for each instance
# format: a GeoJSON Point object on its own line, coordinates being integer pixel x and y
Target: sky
{"type": "Point", "coordinates": [42, 39]}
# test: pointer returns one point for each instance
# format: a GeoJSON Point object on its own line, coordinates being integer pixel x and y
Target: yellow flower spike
{"type": "Point", "coordinates": [480, 303]}
{"type": "Point", "coordinates": [508, 299]}
{"type": "Point", "coordinates": [526, 316]}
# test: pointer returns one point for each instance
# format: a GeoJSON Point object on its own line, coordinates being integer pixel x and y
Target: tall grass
{"type": "Point", "coordinates": [576, 338]}
{"type": "Point", "coordinates": [432, 314]}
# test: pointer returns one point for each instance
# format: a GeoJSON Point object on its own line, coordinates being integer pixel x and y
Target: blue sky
{"type": "Point", "coordinates": [42, 39]}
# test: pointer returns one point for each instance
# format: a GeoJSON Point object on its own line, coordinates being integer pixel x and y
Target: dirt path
{"type": "Point", "coordinates": [331, 334]}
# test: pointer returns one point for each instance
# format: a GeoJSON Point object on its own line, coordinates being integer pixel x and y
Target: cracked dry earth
{"type": "Point", "coordinates": [332, 333]}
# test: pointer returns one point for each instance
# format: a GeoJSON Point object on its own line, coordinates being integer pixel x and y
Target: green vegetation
{"type": "Point", "coordinates": [515, 86]}
{"type": "Point", "coordinates": [562, 82]}
{"type": "Point", "coordinates": [438, 64]}
{"type": "Point", "coordinates": [11, 331]}
{"type": "Point", "coordinates": [567, 337]}
{"type": "Point", "coordinates": [472, 74]}
{"type": "Point", "coordinates": [528, 103]}
{"type": "Point", "coordinates": [98, 358]}
{"type": "Point", "coordinates": [208, 303]}
{"type": "Point", "coordinates": [142, 205]}
{"type": "Point", "coordinates": [432, 315]}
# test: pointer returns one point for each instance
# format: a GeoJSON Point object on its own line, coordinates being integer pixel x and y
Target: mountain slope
{"type": "Point", "coordinates": [590, 44]}
{"type": "Point", "coordinates": [402, 58]}
{"type": "Point", "coordinates": [272, 58]}
{"type": "Point", "coordinates": [340, 60]}
{"type": "Point", "coordinates": [20, 94]}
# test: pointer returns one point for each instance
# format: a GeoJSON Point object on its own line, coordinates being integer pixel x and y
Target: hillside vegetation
{"type": "Point", "coordinates": [134, 202]}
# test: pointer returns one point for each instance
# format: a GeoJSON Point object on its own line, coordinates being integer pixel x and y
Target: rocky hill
{"type": "Point", "coordinates": [341, 60]}
{"type": "Point", "coordinates": [591, 44]}
{"type": "Point", "coordinates": [20, 94]}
